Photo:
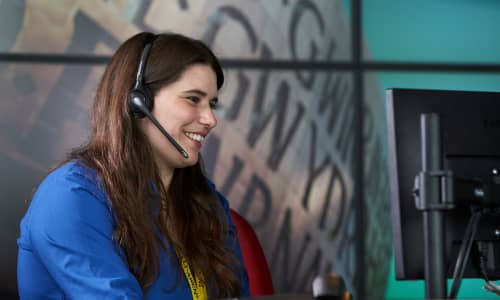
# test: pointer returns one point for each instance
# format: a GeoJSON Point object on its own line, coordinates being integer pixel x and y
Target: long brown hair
{"type": "Point", "coordinates": [190, 216]}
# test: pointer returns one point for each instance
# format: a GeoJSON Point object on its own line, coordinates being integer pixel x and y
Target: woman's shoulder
{"type": "Point", "coordinates": [68, 195]}
{"type": "Point", "coordinates": [73, 177]}
{"type": "Point", "coordinates": [74, 170]}
{"type": "Point", "coordinates": [72, 183]}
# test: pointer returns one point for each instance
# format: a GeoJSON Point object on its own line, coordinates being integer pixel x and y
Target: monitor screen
{"type": "Point", "coordinates": [470, 143]}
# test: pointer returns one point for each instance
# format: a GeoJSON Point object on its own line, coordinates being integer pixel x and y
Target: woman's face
{"type": "Point", "coordinates": [185, 109]}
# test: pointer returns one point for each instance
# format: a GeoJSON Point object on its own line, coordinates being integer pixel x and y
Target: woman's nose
{"type": "Point", "coordinates": [208, 118]}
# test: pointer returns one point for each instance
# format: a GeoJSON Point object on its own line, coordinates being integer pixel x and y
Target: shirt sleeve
{"type": "Point", "coordinates": [71, 229]}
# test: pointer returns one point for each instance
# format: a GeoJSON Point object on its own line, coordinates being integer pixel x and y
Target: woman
{"type": "Point", "coordinates": [130, 215]}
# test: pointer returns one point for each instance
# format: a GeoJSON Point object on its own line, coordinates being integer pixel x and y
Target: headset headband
{"type": "Point", "coordinates": [142, 63]}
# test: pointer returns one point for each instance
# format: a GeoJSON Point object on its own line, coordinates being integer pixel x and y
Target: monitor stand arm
{"type": "Point", "coordinates": [433, 195]}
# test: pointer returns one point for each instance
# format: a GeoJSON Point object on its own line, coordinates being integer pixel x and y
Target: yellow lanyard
{"type": "Point", "coordinates": [198, 289]}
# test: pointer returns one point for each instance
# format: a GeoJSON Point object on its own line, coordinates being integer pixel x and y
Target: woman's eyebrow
{"type": "Point", "coordinates": [196, 91]}
{"type": "Point", "coordinates": [201, 94]}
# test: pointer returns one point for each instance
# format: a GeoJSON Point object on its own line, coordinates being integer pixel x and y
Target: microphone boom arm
{"type": "Point", "coordinates": [139, 104]}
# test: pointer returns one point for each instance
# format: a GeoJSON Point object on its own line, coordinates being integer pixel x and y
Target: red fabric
{"type": "Point", "coordinates": [254, 260]}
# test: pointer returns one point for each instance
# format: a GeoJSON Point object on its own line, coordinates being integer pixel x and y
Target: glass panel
{"type": "Point", "coordinates": [283, 154]}
{"type": "Point", "coordinates": [43, 114]}
{"type": "Point", "coordinates": [432, 31]}
{"type": "Point", "coordinates": [285, 30]}
{"type": "Point", "coordinates": [45, 111]}
{"type": "Point", "coordinates": [347, 7]}
{"type": "Point", "coordinates": [378, 243]}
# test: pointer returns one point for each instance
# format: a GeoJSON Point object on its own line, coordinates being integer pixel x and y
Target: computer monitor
{"type": "Point", "coordinates": [470, 141]}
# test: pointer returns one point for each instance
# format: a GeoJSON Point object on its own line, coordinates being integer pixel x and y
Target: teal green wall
{"type": "Point", "coordinates": [430, 30]}
{"type": "Point", "coordinates": [445, 31]}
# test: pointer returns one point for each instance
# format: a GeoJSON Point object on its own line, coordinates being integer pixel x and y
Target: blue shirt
{"type": "Point", "coordinates": [66, 250]}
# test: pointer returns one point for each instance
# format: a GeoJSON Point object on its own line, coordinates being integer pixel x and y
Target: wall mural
{"type": "Point", "coordinates": [283, 150]}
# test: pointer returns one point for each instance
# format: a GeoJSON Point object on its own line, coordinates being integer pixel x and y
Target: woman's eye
{"type": "Point", "coordinates": [193, 99]}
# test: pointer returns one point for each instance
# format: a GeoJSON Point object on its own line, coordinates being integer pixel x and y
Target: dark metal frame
{"type": "Point", "coordinates": [276, 64]}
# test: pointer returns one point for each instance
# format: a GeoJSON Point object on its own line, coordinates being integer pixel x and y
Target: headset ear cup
{"type": "Point", "coordinates": [148, 98]}
{"type": "Point", "coordinates": [144, 97]}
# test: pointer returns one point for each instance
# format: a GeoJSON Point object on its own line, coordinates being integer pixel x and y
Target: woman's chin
{"type": "Point", "coordinates": [191, 160]}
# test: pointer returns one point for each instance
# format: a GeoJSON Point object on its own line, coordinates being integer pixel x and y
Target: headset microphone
{"type": "Point", "coordinates": [140, 101]}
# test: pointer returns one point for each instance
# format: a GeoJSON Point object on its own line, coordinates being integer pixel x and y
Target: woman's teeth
{"type": "Point", "coordinates": [194, 136]}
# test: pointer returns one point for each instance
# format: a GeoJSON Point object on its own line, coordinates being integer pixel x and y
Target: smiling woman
{"type": "Point", "coordinates": [127, 216]}
{"type": "Point", "coordinates": [185, 107]}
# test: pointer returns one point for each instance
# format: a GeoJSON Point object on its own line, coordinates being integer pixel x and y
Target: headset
{"type": "Point", "coordinates": [141, 100]}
